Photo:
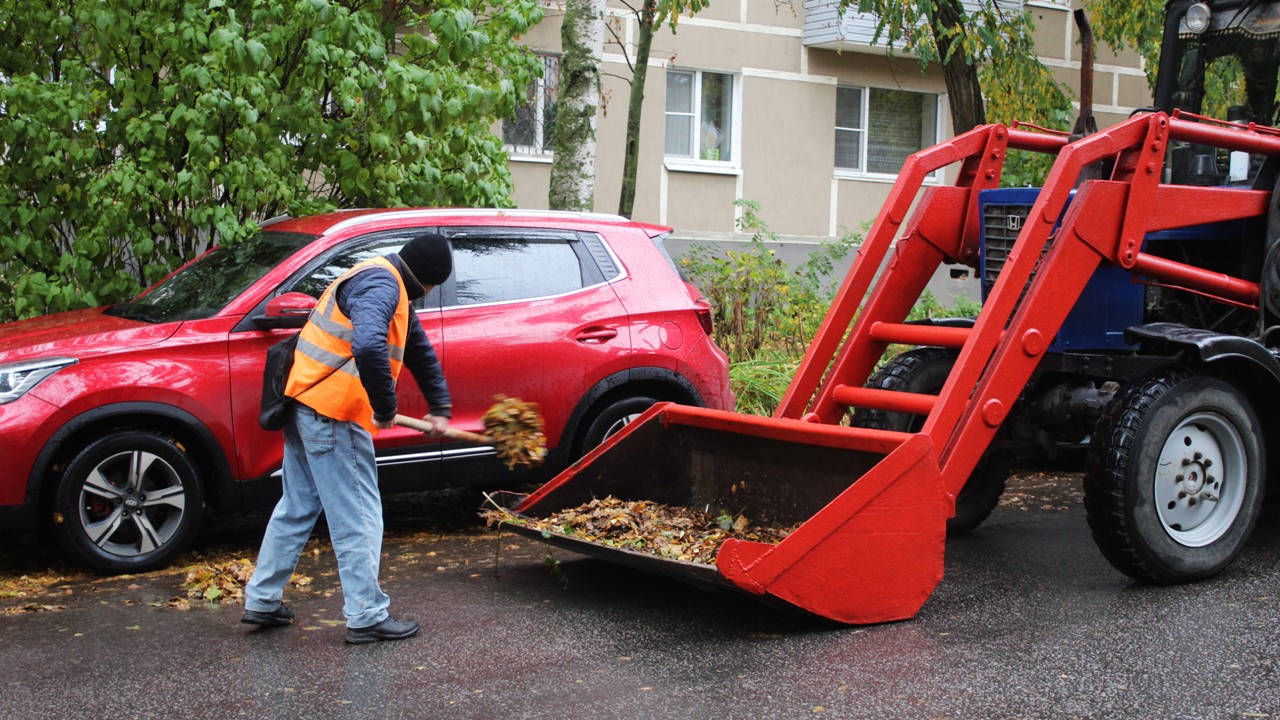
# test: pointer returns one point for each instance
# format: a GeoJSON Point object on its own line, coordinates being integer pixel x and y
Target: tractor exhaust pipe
{"type": "Point", "coordinates": [1085, 123]}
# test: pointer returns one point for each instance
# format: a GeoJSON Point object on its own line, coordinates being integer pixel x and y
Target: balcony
{"type": "Point", "coordinates": [826, 28]}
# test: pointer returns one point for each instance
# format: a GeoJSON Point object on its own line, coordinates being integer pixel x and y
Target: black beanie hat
{"type": "Point", "coordinates": [428, 258]}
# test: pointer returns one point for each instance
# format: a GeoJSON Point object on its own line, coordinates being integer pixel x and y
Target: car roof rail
{"type": "Point", "coordinates": [472, 212]}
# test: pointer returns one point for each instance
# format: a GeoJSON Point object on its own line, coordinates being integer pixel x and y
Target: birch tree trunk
{"type": "Point", "coordinates": [573, 169]}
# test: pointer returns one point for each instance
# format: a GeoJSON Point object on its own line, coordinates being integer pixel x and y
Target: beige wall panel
{"type": "Point", "coordinates": [546, 34]}
{"type": "Point", "coordinates": [1049, 35]}
{"type": "Point", "coordinates": [1134, 91]}
{"type": "Point", "coordinates": [1069, 78]}
{"type": "Point", "coordinates": [876, 70]}
{"type": "Point", "coordinates": [725, 10]}
{"type": "Point", "coordinates": [788, 153]}
{"type": "Point", "coordinates": [611, 134]}
{"type": "Point", "coordinates": [1103, 54]}
{"type": "Point", "coordinates": [857, 203]}
{"type": "Point", "coordinates": [699, 202]}
{"type": "Point", "coordinates": [532, 181]}
{"type": "Point", "coordinates": [1106, 120]}
{"type": "Point", "coordinates": [706, 48]}
{"type": "Point", "coordinates": [1124, 57]}
{"type": "Point", "coordinates": [779, 14]}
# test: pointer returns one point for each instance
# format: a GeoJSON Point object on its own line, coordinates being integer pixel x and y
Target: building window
{"type": "Point", "coordinates": [700, 115]}
{"type": "Point", "coordinates": [530, 130]}
{"type": "Point", "coordinates": [876, 129]}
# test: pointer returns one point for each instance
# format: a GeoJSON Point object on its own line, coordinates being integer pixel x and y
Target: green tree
{"type": "Point", "coordinates": [135, 132]}
{"type": "Point", "coordinates": [987, 52]}
{"type": "Point", "coordinates": [650, 15]}
{"type": "Point", "coordinates": [1138, 24]}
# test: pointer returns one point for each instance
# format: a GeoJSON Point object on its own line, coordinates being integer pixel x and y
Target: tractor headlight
{"type": "Point", "coordinates": [16, 379]}
{"type": "Point", "coordinates": [1197, 18]}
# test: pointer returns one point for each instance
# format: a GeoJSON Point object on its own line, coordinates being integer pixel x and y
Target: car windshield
{"type": "Point", "coordinates": [207, 285]}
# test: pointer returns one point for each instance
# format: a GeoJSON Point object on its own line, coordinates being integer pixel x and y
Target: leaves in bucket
{"type": "Point", "coordinates": [669, 531]}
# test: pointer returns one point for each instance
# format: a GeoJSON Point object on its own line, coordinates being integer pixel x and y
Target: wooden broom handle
{"type": "Point", "coordinates": [451, 433]}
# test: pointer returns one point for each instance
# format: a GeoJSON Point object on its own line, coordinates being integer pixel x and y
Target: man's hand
{"type": "Point", "coordinates": [439, 424]}
{"type": "Point", "coordinates": [384, 424]}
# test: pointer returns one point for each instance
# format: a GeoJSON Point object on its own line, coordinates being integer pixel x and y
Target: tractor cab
{"type": "Point", "coordinates": [1218, 59]}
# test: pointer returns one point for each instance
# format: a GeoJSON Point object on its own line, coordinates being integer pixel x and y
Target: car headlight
{"type": "Point", "coordinates": [16, 379]}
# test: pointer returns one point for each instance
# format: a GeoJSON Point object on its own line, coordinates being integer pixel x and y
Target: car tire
{"type": "Point", "coordinates": [128, 502]}
{"type": "Point", "coordinates": [1173, 486]}
{"type": "Point", "coordinates": [611, 419]}
{"type": "Point", "coordinates": [925, 370]}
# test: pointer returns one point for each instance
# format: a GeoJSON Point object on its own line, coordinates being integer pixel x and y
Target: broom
{"type": "Point", "coordinates": [512, 427]}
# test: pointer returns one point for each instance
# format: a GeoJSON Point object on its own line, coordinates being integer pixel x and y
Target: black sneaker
{"type": "Point", "coordinates": [280, 616]}
{"type": "Point", "coordinates": [389, 629]}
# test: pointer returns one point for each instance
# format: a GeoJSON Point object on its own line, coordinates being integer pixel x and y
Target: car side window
{"type": "Point", "coordinates": [332, 266]}
{"type": "Point", "coordinates": [490, 270]}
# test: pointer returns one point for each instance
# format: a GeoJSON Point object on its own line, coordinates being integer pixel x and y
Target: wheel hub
{"type": "Point", "coordinates": [1193, 479]}
{"type": "Point", "coordinates": [1194, 497]}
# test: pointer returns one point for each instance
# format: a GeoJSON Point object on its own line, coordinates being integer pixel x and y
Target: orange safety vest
{"type": "Point", "coordinates": [324, 375]}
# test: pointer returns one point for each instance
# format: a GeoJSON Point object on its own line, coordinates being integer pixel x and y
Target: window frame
{"type": "Point", "coordinates": [694, 161]}
{"type": "Point", "coordinates": [865, 132]}
{"type": "Point", "coordinates": [586, 246]}
{"type": "Point", "coordinates": [390, 239]}
{"type": "Point", "coordinates": [542, 150]}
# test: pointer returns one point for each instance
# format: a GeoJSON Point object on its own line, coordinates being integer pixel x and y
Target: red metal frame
{"type": "Point", "coordinates": [874, 553]}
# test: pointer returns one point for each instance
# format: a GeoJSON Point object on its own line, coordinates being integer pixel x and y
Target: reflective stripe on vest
{"type": "Point", "coordinates": [324, 375]}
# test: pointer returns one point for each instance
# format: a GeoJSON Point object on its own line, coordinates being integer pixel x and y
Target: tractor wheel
{"type": "Point", "coordinates": [925, 370]}
{"type": "Point", "coordinates": [1174, 480]}
{"type": "Point", "coordinates": [129, 502]}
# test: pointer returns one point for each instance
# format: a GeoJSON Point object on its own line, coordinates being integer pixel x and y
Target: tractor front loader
{"type": "Point", "coordinates": [1180, 424]}
{"type": "Point", "coordinates": [873, 502]}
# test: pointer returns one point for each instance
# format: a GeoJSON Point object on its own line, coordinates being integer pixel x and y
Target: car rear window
{"type": "Point", "coordinates": [660, 242]}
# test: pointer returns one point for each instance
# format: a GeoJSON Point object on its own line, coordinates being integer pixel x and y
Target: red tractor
{"type": "Point", "coordinates": [1131, 307]}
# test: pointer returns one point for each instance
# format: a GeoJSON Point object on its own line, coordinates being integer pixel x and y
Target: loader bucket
{"type": "Point", "coordinates": [871, 504]}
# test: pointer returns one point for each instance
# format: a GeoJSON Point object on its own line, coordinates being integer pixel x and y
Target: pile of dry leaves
{"type": "Point", "coordinates": [675, 532]}
{"type": "Point", "coordinates": [220, 581]}
{"type": "Point", "coordinates": [225, 581]}
{"type": "Point", "coordinates": [516, 429]}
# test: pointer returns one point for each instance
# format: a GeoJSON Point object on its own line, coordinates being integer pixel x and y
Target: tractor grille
{"type": "Point", "coordinates": [1000, 227]}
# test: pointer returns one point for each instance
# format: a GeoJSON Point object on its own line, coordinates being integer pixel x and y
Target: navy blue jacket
{"type": "Point", "coordinates": [369, 299]}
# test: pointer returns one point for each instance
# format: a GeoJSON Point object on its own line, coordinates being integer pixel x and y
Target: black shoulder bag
{"type": "Point", "coordinates": [276, 406]}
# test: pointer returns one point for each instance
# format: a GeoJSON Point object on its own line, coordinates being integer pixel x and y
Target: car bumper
{"type": "Point", "coordinates": [26, 425]}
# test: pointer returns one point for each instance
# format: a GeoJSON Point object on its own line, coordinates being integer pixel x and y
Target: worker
{"type": "Point", "coordinates": [343, 379]}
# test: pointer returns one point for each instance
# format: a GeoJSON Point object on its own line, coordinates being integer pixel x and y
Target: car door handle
{"type": "Point", "coordinates": [596, 335]}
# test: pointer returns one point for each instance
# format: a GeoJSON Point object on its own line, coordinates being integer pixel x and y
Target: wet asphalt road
{"type": "Point", "coordinates": [1029, 622]}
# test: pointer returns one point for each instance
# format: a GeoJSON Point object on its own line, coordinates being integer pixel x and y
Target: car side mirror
{"type": "Point", "coordinates": [288, 310]}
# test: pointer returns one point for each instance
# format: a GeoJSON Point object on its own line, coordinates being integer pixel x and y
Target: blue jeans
{"type": "Point", "coordinates": [328, 465]}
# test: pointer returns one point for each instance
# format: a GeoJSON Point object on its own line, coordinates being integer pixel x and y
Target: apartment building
{"type": "Point", "coordinates": [787, 104]}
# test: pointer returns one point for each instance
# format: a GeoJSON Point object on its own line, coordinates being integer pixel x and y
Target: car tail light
{"type": "Point", "coordinates": [703, 311]}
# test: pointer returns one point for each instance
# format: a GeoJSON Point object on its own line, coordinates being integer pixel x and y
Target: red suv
{"type": "Point", "coordinates": [121, 426]}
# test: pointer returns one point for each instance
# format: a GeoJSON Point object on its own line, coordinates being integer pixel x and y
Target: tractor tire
{"type": "Point", "coordinates": [925, 370]}
{"type": "Point", "coordinates": [129, 502]}
{"type": "Point", "coordinates": [1174, 481]}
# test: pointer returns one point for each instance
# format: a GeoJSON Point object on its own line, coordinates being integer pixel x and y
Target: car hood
{"type": "Point", "coordinates": [78, 334]}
